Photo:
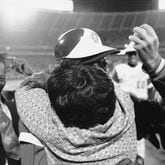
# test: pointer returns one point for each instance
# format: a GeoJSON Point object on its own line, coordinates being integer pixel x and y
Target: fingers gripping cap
{"type": "Point", "coordinates": [80, 43]}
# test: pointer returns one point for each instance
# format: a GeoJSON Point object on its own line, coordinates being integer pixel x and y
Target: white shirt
{"type": "Point", "coordinates": [133, 79]}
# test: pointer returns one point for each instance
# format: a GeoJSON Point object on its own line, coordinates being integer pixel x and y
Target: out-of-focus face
{"type": "Point", "coordinates": [132, 59]}
{"type": "Point", "coordinates": [2, 75]}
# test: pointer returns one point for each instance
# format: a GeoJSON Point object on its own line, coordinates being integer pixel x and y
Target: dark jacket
{"type": "Point", "coordinates": [157, 118]}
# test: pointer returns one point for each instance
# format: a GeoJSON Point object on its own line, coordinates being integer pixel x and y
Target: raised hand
{"type": "Point", "coordinates": [147, 44]}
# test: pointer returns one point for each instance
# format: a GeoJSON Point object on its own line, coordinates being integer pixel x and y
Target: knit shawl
{"type": "Point", "coordinates": [103, 144]}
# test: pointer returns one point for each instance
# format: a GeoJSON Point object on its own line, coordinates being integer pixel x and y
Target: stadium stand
{"type": "Point", "coordinates": [39, 36]}
{"type": "Point", "coordinates": [47, 24]}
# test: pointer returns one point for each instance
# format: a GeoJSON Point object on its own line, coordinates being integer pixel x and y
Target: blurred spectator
{"type": "Point", "coordinates": [9, 149]}
{"type": "Point", "coordinates": [8, 106]}
{"type": "Point", "coordinates": [131, 77]}
{"type": "Point", "coordinates": [133, 80]}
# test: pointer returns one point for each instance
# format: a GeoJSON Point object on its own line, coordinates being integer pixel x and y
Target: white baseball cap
{"type": "Point", "coordinates": [128, 48]}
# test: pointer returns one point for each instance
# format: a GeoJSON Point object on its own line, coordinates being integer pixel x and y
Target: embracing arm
{"type": "Point", "coordinates": [149, 118]}
{"type": "Point", "coordinates": [37, 80]}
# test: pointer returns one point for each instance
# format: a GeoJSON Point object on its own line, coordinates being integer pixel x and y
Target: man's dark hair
{"type": "Point", "coordinates": [82, 95]}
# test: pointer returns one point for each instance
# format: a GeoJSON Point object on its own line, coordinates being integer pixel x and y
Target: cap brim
{"type": "Point", "coordinates": [96, 57]}
{"type": "Point", "coordinates": [89, 52]}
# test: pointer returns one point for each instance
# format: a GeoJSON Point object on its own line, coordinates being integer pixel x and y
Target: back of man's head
{"type": "Point", "coordinates": [82, 96]}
